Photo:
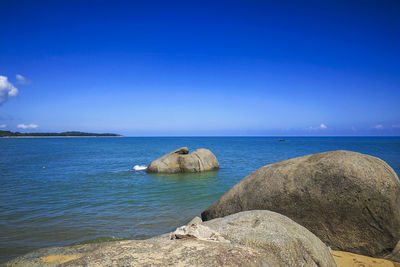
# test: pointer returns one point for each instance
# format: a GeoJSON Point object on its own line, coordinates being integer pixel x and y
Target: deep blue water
{"type": "Point", "coordinates": [88, 190]}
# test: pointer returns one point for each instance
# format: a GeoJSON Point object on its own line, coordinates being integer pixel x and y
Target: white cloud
{"type": "Point", "coordinates": [320, 127]}
{"type": "Point", "coordinates": [7, 89]}
{"type": "Point", "coordinates": [396, 126]}
{"type": "Point", "coordinates": [27, 126]}
{"type": "Point", "coordinates": [378, 126]}
{"type": "Point", "coordinates": [22, 80]}
{"type": "Point", "coordinates": [2, 126]}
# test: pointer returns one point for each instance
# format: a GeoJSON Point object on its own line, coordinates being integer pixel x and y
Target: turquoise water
{"type": "Point", "coordinates": [89, 191]}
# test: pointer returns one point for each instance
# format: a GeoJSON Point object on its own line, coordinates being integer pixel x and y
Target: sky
{"type": "Point", "coordinates": [201, 68]}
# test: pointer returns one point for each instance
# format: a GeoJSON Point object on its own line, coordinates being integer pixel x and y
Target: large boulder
{"type": "Point", "coordinates": [253, 238]}
{"type": "Point", "coordinates": [181, 161]}
{"type": "Point", "coordinates": [351, 201]}
{"type": "Point", "coordinates": [182, 252]}
{"type": "Point", "coordinates": [284, 241]}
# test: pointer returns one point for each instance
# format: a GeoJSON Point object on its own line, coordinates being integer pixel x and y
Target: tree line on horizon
{"type": "Point", "coordinates": [70, 133]}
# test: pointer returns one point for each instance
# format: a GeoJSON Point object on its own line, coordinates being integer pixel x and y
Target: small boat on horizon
{"type": "Point", "coordinates": [281, 140]}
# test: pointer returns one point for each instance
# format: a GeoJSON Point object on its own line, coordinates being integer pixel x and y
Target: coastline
{"type": "Point", "coordinates": [111, 176]}
{"type": "Point", "coordinates": [149, 251]}
{"type": "Point", "coordinates": [49, 136]}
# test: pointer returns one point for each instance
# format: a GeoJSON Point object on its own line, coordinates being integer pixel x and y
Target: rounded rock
{"type": "Point", "coordinates": [285, 242]}
{"type": "Point", "coordinates": [181, 161]}
{"type": "Point", "coordinates": [351, 201]}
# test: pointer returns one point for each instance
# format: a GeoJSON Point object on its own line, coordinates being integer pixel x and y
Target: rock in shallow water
{"type": "Point", "coordinates": [351, 201]}
{"type": "Point", "coordinates": [181, 161]}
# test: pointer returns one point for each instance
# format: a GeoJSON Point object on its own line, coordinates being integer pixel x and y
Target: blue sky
{"type": "Point", "coordinates": [201, 67]}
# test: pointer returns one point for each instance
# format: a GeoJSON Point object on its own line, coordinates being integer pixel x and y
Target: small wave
{"type": "Point", "coordinates": [140, 167]}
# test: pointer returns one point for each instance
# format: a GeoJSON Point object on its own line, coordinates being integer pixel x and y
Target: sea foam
{"type": "Point", "coordinates": [140, 167]}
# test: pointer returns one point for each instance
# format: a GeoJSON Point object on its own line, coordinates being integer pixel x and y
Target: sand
{"type": "Point", "coordinates": [60, 258]}
{"type": "Point", "coordinates": [347, 259]}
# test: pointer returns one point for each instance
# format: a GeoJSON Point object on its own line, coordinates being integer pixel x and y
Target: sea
{"type": "Point", "coordinates": [63, 191]}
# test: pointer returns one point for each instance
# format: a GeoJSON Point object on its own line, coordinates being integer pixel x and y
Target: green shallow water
{"type": "Point", "coordinates": [88, 191]}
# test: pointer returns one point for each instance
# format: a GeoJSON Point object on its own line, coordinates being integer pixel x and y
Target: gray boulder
{"type": "Point", "coordinates": [351, 201]}
{"type": "Point", "coordinates": [181, 161]}
{"type": "Point", "coordinates": [284, 241]}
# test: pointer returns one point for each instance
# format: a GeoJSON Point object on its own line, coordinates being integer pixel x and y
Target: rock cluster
{"type": "Point", "coordinates": [283, 214]}
{"type": "Point", "coordinates": [252, 238]}
{"type": "Point", "coordinates": [181, 161]}
{"type": "Point", "coordinates": [351, 201]}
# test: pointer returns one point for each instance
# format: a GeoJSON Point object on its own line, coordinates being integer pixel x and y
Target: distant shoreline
{"type": "Point", "coordinates": [50, 136]}
{"type": "Point", "coordinates": [9, 134]}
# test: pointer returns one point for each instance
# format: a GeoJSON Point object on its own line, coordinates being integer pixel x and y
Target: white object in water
{"type": "Point", "coordinates": [140, 167]}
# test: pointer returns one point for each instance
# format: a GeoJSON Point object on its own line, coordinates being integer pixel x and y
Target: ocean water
{"type": "Point", "coordinates": [62, 191]}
